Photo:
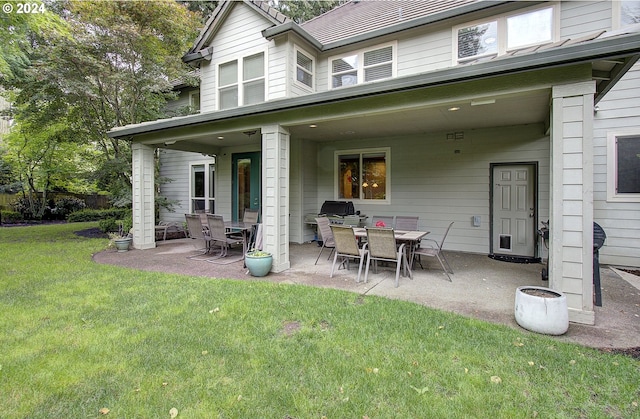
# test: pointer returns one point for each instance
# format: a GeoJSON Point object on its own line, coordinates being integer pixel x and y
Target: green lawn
{"type": "Point", "coordinates": [77, 337]}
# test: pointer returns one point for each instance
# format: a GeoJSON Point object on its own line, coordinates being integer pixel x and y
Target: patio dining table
{"type": "Point", "coordinates": [412, 238]}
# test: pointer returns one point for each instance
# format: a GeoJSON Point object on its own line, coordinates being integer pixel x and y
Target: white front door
{"type": "Point", "coordinates": [513, 219]}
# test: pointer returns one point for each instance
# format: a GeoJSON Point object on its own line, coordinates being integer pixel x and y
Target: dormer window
{"type": "Point", "coordinates": [363, 66]}
{"type": "Point", "coordinates": [500, 35]}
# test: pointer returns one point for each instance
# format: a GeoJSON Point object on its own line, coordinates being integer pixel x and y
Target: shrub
{"type": "Point", "coordinates": [110, 225]}
{"type": "Point", "coordinates": [11, 217]}
{"type": "Point", "coordinates": [96, 215]}
{"type": "Point", "coordinates": [22, 205]}
{"type": "Point", "coordinates": [66, 205]}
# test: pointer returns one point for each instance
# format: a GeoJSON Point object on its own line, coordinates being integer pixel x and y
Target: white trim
{"type": "Point", "coordinates": [361, 151]}
{"type": "Point", "coordinates": [360, 65]}
{"type": "Point", "coordinates": [501, 21]}
{"type": "Point", "coordinates": [612, 154]}
{"type": "Point", "coordinates": [313, 59]}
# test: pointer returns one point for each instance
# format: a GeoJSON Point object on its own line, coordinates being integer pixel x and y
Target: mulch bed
{"type": "Point", "coordinates": [92, 233]}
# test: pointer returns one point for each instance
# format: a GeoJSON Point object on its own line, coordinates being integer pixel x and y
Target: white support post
{"type": "Point", "coordinates": [143, 197]}
{"type": "Point", "coordinates": [571, 200]}
{"type": "Point", "coordinates": [275, 195]}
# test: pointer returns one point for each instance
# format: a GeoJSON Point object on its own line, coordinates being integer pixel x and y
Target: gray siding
{"type": "Point", "coordinates": [618, 111]}
{"type": "Point", "coordinates": [430, 180]}
{"type": "Point", "coordinates": [584, 17]}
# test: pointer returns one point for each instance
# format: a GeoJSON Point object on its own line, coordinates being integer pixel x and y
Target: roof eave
{"type": "Point", "coordinates": [291, 26]}
{"type": "Point", "coordinates": [555, 57]}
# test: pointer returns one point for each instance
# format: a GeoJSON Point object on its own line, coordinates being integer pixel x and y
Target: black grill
{"type": "Point", "coordinates": [337, 208]}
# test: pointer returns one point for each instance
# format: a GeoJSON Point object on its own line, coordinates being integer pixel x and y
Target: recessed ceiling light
{"type": "Point", "coordinates": [313, 126]}
{"type": "Point", "coordinates": [454, 108]}
{"type": "Point", "coordinates": [221, 138]}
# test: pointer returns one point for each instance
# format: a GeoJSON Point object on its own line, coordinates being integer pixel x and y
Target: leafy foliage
{"type": "Point", "coordinates": [107, 64]}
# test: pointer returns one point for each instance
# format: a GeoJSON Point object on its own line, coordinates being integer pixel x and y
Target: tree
{"type": "Point", "coordinates": [302, 10]}
{"type": "Point", "coordinates": [112, 68]}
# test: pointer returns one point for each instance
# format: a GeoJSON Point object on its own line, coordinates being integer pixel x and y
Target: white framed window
{"type": "Point", "coordinates": [194, 101]}
{"type": "Point", "coordinates": [242, 82]}
{"type": "Point", "coordinates": [202, 195]}
{"type": "Point", "coordinates": [623, 166]}
{"type": "Point", "coordinates": [363, 175]}
{"type": "Point", "coordinates": [305, 68]}
{"type": "Point", "coordinates": [499, 35]}
{"type": "Point", "coordinates": [626, 13]}
{"type": "Point", "coordinates": [378, 63]}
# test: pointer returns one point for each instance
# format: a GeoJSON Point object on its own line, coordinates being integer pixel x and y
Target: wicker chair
{"type": "Point", "coordinates": [324, 230]}
{"type": "Point", "coordinates": [435, 250]}
{"type": "Point", "coordinates": [382, 246]}
{"type": "Point", "coordinates": [218, 233]}
{"type": "Point", "coordinates": [347, 248]}
{"type": "Point", "coordinates": [198, 232]}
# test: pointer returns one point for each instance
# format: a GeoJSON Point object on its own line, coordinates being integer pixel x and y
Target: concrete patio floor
{"type": "Point", "coordinates": [482, 288]}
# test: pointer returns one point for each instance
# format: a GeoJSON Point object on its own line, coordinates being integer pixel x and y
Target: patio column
{"type": "Point", "coordinates": [275, 195]}
{"type": "Point", "coordinates": [143, 199]}
{"type": "Point", "coordinates": [571, 200]}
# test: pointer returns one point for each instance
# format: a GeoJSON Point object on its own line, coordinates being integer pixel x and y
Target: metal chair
{"type": "Point", "coordinates": [435, 250]}
{"type": "Point", "coordinates": [382, 246]}
{"type": "Point", "coordinates": [250, 216]}
{"type": "Point", "coordinates": [218, 234]}
{"type": "Point", "coordinates": [406, 223]}
{"type": "Point", "coordinates": [387, 220]}
{"type": "Point", "coordinates": [198, 232]}
{"type": "Point", "coordinates": [347, 248]}
{"type": "Point", "coordinates": [325, 233]}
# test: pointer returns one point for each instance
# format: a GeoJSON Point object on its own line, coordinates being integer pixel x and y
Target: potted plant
{"type": "Point", "coordinates": [258, 262]}
{"type": "Point", "coordinates": [542, 310]}
{"type": "Point", "coordinates": [122, 239]}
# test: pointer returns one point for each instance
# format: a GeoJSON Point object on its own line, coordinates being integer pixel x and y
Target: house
{"type": "Point", "coordinates": [497, 115]}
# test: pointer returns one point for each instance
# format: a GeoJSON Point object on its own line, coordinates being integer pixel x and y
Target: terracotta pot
{"type": "Point", "coordinates": [542, 310]}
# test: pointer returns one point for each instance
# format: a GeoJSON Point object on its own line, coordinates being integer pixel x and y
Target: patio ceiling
{"type": "Point", "coordinates": [491, 111]}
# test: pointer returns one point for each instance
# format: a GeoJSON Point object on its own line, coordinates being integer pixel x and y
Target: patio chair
{"type": "Point", "coordinates": [347, 248]}
{"type": "Point", "coordinates": [406, 223]}
{"type": "Point", "coordinates": [218, 234]}
{"type": "Point", "coordinates": [435, 250]}
{"type": "Point", "coordinates": [250, 216]}
{"type": "Point", "coordinates": [382, 246]}
{"type": "Point", "coordinates": [325, 233]}
{"type": "Point", "coordinates": [198, 232]}
{"type": "Point", "coordinates": [387, 220]}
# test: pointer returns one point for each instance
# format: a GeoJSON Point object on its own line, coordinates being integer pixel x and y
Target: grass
{"type": "Point", "coordinates": [77, 337]}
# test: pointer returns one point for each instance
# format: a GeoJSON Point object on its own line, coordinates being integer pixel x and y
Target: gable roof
{"type": "Point", "coordinates": [359, 17]}
{"type": "Point", "coordinates": [199, 49]}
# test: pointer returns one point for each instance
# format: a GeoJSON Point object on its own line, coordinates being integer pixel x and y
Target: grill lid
{"type": "Point", "coordinates": [340, 208]}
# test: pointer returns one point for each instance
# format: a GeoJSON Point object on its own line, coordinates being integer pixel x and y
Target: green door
{"type": "Point", "coordinates": [245, 183]}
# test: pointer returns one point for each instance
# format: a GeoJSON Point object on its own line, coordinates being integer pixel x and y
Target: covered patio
{"type": "Point", "coordinates": [482, 288]}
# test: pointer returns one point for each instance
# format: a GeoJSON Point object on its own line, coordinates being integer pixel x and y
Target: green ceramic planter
{"type": "Point", "coordinates": [123, 244]}
{"type": "Point", "coordinates": [260, 264]}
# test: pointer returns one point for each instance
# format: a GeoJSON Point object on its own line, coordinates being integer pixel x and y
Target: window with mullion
{"type": "Point", "coordinates": [364, 66]}
{"type": "Point", "coordinates": [304, 69]}
{"type": "Point", "coordinates": [250, 70]}
{"type": "Point", "coordinates": [363, 175]}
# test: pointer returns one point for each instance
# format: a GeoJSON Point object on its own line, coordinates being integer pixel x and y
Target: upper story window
{"type": "Point", "coordinates": [363, 175]}
{"type": "Point", "coordinates": [623, 167]}
{"type": "Point", "coordinates": [629, 12]}
{"type": "Point", "coordinates": [194, 101]}
{"type": "Point", "coordinates": [364, 66]}
{"type": "Point", "coordinates": [241, 82]}
{"type": "Point", "coordinates": [304, 68]}
{"type": "Point", "coordinates": [502, 34]}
